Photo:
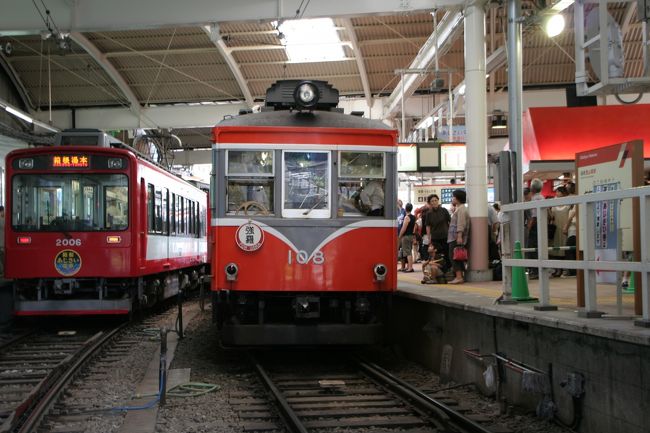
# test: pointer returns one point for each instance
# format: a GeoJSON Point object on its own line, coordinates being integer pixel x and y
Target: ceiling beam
{"type": "Point", "coordinates": [213, 32]}
{"type": "Point", "coordinates": [347, 23]}
{"type": "Point", "coordinates": [438, 43]}
{"type": "Point", "coordinates": [107, 66]}
{"type": "Point", "coordinates": [494, 61]}
{"type": "Point", "coordinates": [22, 17]}
{"type": "Point", "coordinates": [168, 116]}
{"type": "Point", "coordinates": [630, 8]}
{"type": "Point", "coordinates": [17, 82]}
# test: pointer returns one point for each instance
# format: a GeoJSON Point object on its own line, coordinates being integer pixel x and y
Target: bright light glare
{"type": "Point", "coordinates": [561, 5]}
{"type": "Point", "coordinates": [313, 40]}
{"type": "Point", "coordinates": [554, 25]}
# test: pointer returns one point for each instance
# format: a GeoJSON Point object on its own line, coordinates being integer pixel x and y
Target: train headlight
{"type": "Point", "coordinates": [26, 163]}
{"type": "Point", "coordinates": [306, 94]}
{"type": "Point", "coordinates": [380, 272]}
{"type": "Point", "coordinates": [231, 272]}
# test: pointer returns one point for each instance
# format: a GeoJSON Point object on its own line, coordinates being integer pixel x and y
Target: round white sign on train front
{"type": "Point", "coordinates": [249, 237]}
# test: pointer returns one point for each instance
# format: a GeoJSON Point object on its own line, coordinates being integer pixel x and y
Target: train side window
{"type": "Point", "coordinates": [182, 215]}
{"type": "Point", "coordinates": [158, 210]}
{"type": "Point", "coordinates": [306, 184]}
{"type": "Point", "coordinates": [165, 211]}
{"type": "Point", "coordinates": [172, 214]}
{"type": "Point", "coordinates": [250, 182]}
{"type": "Point", "coordinates": [362, 183]}
{"type": "Point", "coordinates": [190, 221]}
{"type": "Point", "coordinates": [150, 208]}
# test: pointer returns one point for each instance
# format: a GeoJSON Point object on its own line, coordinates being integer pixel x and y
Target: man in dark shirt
{"type": "Point", "coordinates": [437, 226]}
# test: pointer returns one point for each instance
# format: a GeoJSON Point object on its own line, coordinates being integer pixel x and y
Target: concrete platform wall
{"type": "Point", "coordinates": [617, 374]}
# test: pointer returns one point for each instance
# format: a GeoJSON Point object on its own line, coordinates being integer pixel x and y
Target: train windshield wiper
{"type": "Point", "coordinates": [319, 201]}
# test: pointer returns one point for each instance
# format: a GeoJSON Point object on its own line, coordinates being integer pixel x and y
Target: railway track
{"type": "Point", "coordinates": [352, 396]}
{"type": "Point", "coordinates": [58, 381]}
{"type": "Point", "coordinates": [34, 368]}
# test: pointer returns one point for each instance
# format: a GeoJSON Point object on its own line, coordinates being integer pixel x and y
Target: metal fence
{"type": "Point", "coordinates": [588, 264]}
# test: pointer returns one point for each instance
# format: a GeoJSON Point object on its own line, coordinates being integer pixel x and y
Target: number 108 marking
{"type": "Point", "coordinates": [302, 258]}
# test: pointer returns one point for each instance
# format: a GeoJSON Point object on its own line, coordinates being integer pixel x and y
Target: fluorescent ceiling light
{"type": "Point", "coordinates": [312, 40]}
{"type": "Point", "coordinates": [19, 114]}
{"type": "Point", "coordinates": [561, 5]}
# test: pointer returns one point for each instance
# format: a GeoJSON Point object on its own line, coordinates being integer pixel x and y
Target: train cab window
{"type": "Point", "coordinates": [64, 202]}
{"type": "Point", "coordinates": [250, 182]}
{"type": "Point", "coordinates": [306, 184]}
{"type": "Point", "coordinates": [361, 184]}
{"type": "Point", "coordinates": [117, 207]}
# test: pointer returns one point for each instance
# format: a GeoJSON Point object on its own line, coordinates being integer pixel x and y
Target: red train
{"type": "Point", "coordinates": [94, 228]}
{"type": "Point", "coordinates": [304, 215]}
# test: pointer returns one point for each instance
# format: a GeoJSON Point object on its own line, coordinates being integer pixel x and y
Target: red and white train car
{"type": "Point", "coordinates": [304, 213]}
{"type": "Point", "coordinates": [94, 228]}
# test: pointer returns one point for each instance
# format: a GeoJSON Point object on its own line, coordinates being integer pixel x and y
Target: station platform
{"type": "Point", "coordinates": [591, 373]}
{"type": "Point", "coordinates": [617, 323]}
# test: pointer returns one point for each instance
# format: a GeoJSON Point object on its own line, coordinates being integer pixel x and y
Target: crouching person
{"type": "Point", "coordinates": [432, 268]}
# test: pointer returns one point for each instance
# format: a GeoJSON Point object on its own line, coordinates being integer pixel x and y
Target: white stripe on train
{"type": "Point", "coordinates": [374, 223]}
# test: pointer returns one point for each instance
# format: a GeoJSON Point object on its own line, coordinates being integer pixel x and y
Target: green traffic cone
{"type": "Point", "coordinates": [519, 283]}
{"type": "Point", "coordinates": [630, 284]}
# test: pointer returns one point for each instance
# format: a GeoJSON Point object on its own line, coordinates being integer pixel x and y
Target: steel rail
{"type": "Point", "coordinates": [290, 417]}
{"type": "Point", "coordinates": [32, 417]}
{"type": "Point", "coordinates": [421, 400]}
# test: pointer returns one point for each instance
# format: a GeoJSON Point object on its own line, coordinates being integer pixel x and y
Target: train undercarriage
{"type": "Point", "coordinates": [280, 318]}
{"type": "Point", "coordinates": [99, 296]}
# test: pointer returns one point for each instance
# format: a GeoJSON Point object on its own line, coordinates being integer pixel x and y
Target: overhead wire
{"type": "Point", "coordinates": [185, 74]}
{"type": "Point", "coordinates": [155, 80]}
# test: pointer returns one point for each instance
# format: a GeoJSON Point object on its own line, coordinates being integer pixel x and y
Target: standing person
{"type": "Point", "coordinates": [569, 230]}
{"type": "Point", "coordinates": [437, 227]}
{"type": "Point", "coordinates": [401, 213]}
{"type": "Point", "coordinates": [560, 217]}
{"type": "Point", "coordinates": [458, 233]}
{"type": "Point", "coordinates": [424, 233]}
{"type": "Point", "coordinates": [527, 196]}
{"type": "Point", "coordinates": [407, 238]}
{"type": "Point", "coordinates": [536, 191]}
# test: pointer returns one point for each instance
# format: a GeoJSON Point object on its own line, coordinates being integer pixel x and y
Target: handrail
{"type": "Point", "coordinates": [589, 264]}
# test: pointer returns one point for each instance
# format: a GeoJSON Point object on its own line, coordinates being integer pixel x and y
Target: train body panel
{"type": "Point", "coordinates": [343, 263]}
{"type": "Point", "coordinates": [302, 256]}
{"type": "Point", "coordinates": [100, 234]}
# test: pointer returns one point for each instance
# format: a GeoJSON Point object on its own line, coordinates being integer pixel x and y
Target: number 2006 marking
{"type": "Point", "coordinates": [68, 242]}
{"type": "Point", "coordinates": [302, 257]}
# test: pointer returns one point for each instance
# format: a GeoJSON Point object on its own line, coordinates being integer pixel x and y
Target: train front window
{"type": "Point", "coordinates": [361, 184]}
{"type": "Point", "coordinates": [306, 184]}
{"type": "Point", "coordinates": [250, 182]}
{"type": "Point", "coordinates": [69, 202]}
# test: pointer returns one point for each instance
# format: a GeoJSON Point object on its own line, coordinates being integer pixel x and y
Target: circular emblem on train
{"type": "Point", "coordinates": [249, 237]}
{"type": "Point", "coordinates": [67, 262]}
